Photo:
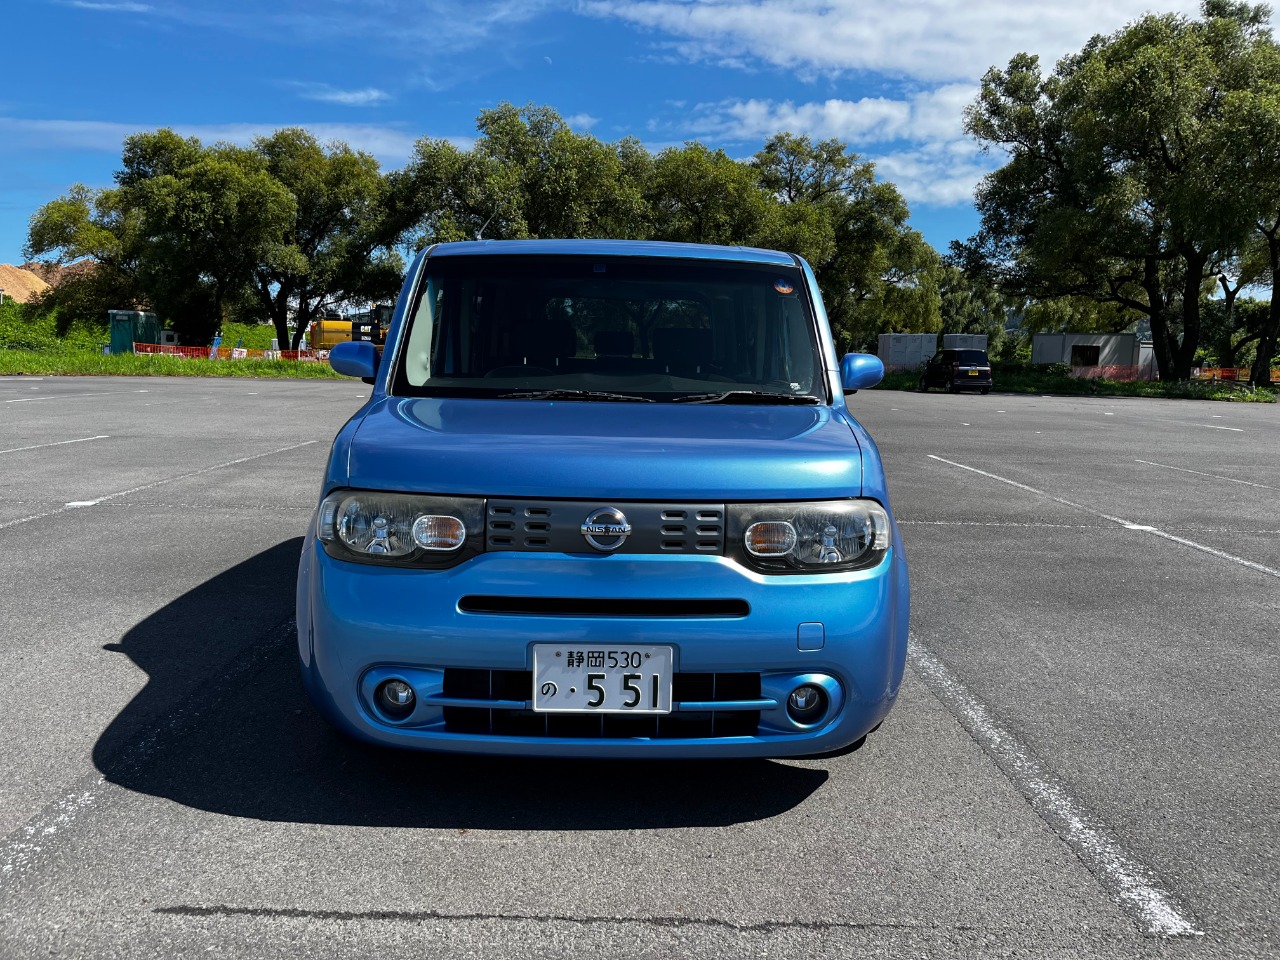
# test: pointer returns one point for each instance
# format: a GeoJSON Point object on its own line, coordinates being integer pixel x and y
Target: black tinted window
{"type": "Point", "coordinates": [972, 357]}
{"type": "Point", "coordinates": [483, 326]}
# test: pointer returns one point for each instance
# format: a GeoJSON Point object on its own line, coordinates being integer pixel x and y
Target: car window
{"type": "Point", "coordinates": [656, 328]}
{"type": "Point", "coordinates": [972, 357]}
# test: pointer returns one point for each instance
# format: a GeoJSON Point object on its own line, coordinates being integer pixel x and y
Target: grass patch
{"type": "Point", "coordinates": [251, 336]}
{"type": "Point", "coordinates": [1030, 381]}
{"type": "Point", "coordinates": [29, 344]}
{"type": "Point", "coordinates": [89, 363]}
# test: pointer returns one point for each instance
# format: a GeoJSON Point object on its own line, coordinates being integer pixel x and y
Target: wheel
{"type": "Point", "coordinates": [985, 391]}
{"type": "Point", "coordinates": [951, 387]}
{"type": "Point", "coordinates": [924, 385]}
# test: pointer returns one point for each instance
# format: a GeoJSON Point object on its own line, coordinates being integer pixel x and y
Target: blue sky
{"type": "Point", "coordinates": [889, 77]}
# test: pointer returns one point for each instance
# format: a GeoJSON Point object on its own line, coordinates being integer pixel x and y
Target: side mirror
{"type": "Point", "coordinates": [859, 371]}
{"type": "Point", "coordinates": [355, 358]}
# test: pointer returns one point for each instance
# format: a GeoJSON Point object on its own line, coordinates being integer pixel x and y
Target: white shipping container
{"type": "Point", "coordinates": [906, 351]}
{"type": "Point", "coordinates": [1086, 349]}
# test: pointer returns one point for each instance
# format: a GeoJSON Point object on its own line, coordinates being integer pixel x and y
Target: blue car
{"type": "Point", "coordinates": [606, 499]}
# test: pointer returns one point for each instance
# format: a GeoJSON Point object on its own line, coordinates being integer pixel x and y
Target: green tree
{"type": "Point", "coordinates": [92, 226]}
{"type": "Point", "coordinates": [877, 275]}
{"type": "Point", "coordinates": [971, 305]}
{"type": "Point", "coordinates": [527, 175]}
{"type": "Point", "coordinates": [1113, 189]}
{"type": "Point", "coordinates": [209, 217]}
{"type": "Point", "coordinates": [1077, 314]}
{"type": "Point", "coordinates": [1249, 145]}
{"type": "Point", "coordinates": [699, 195]}
{"type": "Point", "coordinates": [276, 231]}
{"type": "Point", "coordinates": [337, 246]}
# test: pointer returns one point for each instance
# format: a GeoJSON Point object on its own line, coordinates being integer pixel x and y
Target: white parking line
{"type": "Point", "coordinates": [1214, 476]}
{"type": "Point", "coordinates": [186, 476]}
{"type": "Point", "coordinates": [40, 446]}
{"type": "Point", "coordinates": [72, 396]}
{"type": "Point", "coordinates": [1214, 426]}
{"type": "Point", "coordinates": [78, 504]}
{"type": "Point", "coordinates": [1128, 882]}
{"type": "Point", "coordinates": [1127, 524]}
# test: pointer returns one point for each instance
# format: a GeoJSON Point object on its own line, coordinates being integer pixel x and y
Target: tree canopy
{"type": "Point", "coordinates": [274, 231]}
{"type": "Point", "coordinates": [286, 227]}
{"type": "Point", "coordinates": [528, 174]}
{"type": "Point", "coordinates": [1131, 177]}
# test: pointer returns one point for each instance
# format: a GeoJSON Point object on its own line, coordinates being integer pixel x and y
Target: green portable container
{"type": "Point", "coordinates": [132, 326]}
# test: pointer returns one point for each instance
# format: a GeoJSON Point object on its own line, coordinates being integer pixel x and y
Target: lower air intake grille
{"type": "Point", "coordinates": [517, 684]}
{"type": "Point", "coordinates": [602, 607]}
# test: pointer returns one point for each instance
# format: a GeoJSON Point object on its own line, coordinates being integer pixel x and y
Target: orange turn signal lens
{"type": "Point", "coordinates": [770, 538]}
{"type": "Point", "coordinates": [439, 533]}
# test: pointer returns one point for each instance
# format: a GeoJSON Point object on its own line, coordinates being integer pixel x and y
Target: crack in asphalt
{"type": "Point", "coordinates": [418, 916]}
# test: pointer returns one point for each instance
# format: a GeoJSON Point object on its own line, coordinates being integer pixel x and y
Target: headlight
{"type": "Point", "coordinates": [819, 537]}
{"type": "Point", "coordinates": [400, 529]}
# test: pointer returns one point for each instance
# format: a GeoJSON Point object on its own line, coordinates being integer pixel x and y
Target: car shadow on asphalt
{"type": "Point", "coordinates": [223, 725]}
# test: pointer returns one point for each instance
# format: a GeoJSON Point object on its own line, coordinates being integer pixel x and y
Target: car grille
{"type": "Point", "coordinates": [555, 526]}
{"type": "Point", "coordinates": [515, 685]}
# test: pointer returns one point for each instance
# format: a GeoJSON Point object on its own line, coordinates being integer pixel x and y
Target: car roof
{"type": "Point", "coordinates": [612, 248]}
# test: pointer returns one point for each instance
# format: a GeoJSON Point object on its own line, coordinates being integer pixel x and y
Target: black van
{"type": "Point", "coordinates": [957, 370]}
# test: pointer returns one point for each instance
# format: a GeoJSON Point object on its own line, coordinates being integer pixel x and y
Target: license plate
{"type": "Point", "coordinates": [973, 373]}
{"type": "Point", "coordinates": [596, 678]}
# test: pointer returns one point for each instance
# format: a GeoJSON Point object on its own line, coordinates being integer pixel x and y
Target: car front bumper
{"type": "Point", "coordinates": [358, 624]}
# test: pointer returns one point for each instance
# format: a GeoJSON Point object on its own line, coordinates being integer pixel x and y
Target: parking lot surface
{"type": "Point", "coordinates": [1083, 761]}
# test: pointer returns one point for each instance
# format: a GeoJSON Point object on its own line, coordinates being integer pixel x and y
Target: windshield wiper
{"type": "Point", "coordinates": [749, 396]}
{"type": "Point", "coordinates": [563, 394]}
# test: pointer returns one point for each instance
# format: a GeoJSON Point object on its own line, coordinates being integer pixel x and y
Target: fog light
{"type": "Point", "coordinates": [395, 698]}
{"type": "Point", "coordinates": [807, 704]}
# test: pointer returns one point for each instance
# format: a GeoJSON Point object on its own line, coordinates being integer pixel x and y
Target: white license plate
{"type": "Point", "coordinates": [601, 678]}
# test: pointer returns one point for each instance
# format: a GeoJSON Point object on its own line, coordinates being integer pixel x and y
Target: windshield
{"type": "Point", "coordinates": [620, 328]}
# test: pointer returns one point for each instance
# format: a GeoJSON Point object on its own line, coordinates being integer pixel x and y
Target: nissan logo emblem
{"type": "Point", "coordinates": [606, 529]}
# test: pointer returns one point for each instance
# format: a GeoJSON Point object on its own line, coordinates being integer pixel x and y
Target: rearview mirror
{"type": "Point", "coordinates": [859, 371]}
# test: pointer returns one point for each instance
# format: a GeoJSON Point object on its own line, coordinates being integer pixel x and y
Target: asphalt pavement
{"type": "Point", "coordinates": [1083, 761]}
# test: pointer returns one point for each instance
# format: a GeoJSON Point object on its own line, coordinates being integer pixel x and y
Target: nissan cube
{"type": "Point", "coordinates": [605, 498]}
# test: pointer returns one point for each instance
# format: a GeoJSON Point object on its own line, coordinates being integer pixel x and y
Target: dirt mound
{"type": "Point", "coordinates": [54, 273]}
{"type": "Point", "coordinates": [21, 285]}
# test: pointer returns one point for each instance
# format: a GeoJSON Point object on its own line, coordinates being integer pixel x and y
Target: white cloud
{"type": "Point", "coordinates": [917, 142]}
{"type": "Point", "coordinates": [111, 7]}
{"type": "Point", "coordinates": [927, 116]}
{"type": "Point", "coordinates": [391, 145]}
{"type": "Point", "coordinates": [581, 121]}
{"type": "Point", "coordinates": [369, 96]}
{"type": "Point", "coordinates": [933, 40]}
{"type": "Point", "coordinates": [943, 174]}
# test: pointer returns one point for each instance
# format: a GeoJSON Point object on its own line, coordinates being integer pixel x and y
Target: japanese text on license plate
{"type": "Point", "coordinates": [579, 678]}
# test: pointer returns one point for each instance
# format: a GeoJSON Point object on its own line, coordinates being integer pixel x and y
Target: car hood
{"type": "Point", "coordinates": [539, 448]}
